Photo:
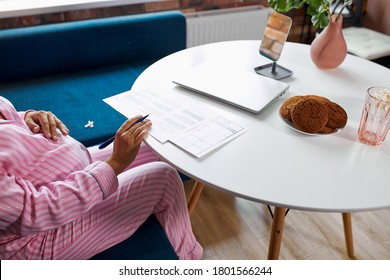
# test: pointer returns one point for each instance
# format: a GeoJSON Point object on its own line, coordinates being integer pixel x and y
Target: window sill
{"type": "Point", "coordinates": [17, 8]}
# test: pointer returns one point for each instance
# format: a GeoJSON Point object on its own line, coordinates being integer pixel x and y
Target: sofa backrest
{"type": "Point", "coordinates": [39, 51]}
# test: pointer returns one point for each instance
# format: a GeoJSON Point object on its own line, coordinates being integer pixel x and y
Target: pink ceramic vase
{"type": "Point", "coordinates": [328, 50]}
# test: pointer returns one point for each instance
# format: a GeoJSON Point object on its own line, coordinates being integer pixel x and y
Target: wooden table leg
{"type": "Point", "coordinates": [347, 221]}
{"type": "Point", "coordinates": [276, 233]}
{"type": "Point", "coordinates": [194, 196]}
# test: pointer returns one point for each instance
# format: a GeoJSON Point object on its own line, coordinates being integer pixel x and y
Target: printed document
{"type": "Point", "coordinates": [196, 130]}
{"type": "Point", "coordinates": [207, 136]}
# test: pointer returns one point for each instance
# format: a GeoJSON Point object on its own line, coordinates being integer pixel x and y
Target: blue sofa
{"type": "Point", "coordinates": [68, 68]}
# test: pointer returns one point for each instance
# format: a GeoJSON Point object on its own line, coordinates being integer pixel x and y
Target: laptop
{"type": "Point", "coordinates": [239, 87]}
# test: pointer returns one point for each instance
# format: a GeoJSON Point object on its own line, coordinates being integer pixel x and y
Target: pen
{"type": "Point", "coordinates": [109, 141]}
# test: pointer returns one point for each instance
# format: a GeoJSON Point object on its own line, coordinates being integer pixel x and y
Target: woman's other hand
{"type": "Point", "coordinates": [45, 122]}
{"type": "Point", "coordinates": [127, 142]}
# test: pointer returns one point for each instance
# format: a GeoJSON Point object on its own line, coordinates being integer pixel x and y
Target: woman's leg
{"type": "Point", "coordinates": [153, 188]}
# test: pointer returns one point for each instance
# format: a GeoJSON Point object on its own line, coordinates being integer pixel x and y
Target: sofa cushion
{"type": "Point", "coordinates": [149, 242]}
{"type": "Point", "coordinates": [77, 98]}
{"type": "Point", "coordinates": [366, 43]}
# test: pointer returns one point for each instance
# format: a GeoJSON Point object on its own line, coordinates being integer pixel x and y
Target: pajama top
{"type": "Point", "coordinates": [43, 184]}
{"type": "Point", "coordinates": [59, 200]}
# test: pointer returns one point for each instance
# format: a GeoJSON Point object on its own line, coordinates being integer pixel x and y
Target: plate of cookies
{"type": "Point", "coordinates": [313, 115]}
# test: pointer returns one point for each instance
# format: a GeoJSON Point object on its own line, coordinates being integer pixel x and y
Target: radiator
{"type": "Point", "coordinates": [246, 23]}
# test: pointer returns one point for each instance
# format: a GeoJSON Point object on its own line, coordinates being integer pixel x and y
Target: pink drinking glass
{"type": "Point", "coordinates": [375, 119]}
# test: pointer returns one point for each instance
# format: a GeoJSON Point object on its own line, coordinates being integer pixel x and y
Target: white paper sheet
{"type": "Point", "coordinates": [170, 114]}
{"type": "Point", "coordinates": [195, 129]}
{"type": "Point", "coordinates": [208, 136]}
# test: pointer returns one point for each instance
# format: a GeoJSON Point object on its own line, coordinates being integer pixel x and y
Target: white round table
{"type": "Point", "coordinates": [271, 163]}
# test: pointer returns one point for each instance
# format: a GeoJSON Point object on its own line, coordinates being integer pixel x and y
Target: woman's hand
{"type": "Point", "coordinates": [45, 122]}
{"type": "Point", "coordinates": [127, 142]}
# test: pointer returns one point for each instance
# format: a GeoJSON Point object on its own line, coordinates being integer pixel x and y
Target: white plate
{"type": "Point", "coordinates": [291, 125]}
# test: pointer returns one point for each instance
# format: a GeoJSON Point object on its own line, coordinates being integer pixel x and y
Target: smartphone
{"type": "Point", "coordinates": [275, 35]}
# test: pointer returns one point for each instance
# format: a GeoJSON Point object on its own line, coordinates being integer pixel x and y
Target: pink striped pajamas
{"type": "Point", "coordinates": [59, 200]}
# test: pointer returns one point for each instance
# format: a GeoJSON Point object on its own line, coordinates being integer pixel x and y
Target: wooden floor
{"type": "Point", "coordinates": [231, 228]}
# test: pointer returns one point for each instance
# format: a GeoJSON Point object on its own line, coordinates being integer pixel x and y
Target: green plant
{"type": "Point", "coordinates": [319, 10]}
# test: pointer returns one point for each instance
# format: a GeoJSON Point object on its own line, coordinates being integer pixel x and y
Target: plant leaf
{"type": "Point", "coordinates": [278, 5]}
{"type": "Point", "coordinates": [320, 20]}
{"type": "Point", "coordinates": [319, 10]}
{"type": "Point", "coordinates": [285, 5]}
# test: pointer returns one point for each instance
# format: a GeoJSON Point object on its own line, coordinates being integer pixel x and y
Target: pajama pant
{"type": "Point", "coordinates": [147, 187]}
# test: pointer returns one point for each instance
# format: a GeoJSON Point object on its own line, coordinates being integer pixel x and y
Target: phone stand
{"type": "Point", "coordinates": [274, 38]}
{"type": "Point", "coordinates": [273, 71]}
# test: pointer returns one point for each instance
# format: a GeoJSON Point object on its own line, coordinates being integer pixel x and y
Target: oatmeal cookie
{"type": "Point", "coordinates": [326, 130]}
{"type": "Point", "coordinates": [322, 99]}
{"type": "Point", "coordinates": [337, 115]}
{"type": "Point", "coordinates": [309, 115]}
{"type": "Point", "coordinates": [285, 109]}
